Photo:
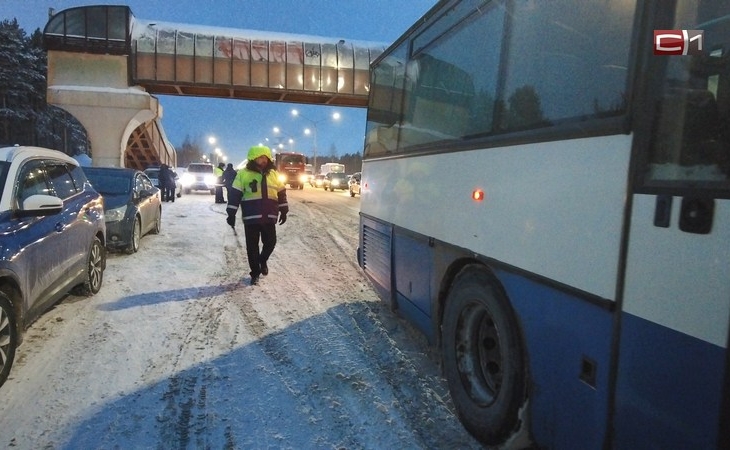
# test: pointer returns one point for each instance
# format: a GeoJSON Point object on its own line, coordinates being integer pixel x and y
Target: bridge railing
{"type": "Point", "coordinates": [179, 59]}
{"type": "Point", "coordinates": [164, 53]}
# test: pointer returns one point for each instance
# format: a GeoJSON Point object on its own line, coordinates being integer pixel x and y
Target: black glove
{"type": "Point", "coordinates": [231, 219]}
{"type": "Point", "coordinates": [282, 219]}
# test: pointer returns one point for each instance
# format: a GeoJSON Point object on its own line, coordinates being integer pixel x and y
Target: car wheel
{"type": "Point", "coordinates": [135, 237]}
{"type": "Point", "coordinates": [212, 192]}
{"type": "Point", "coordinates": [352, 193]}
{"type": "Point", "coordinates": [158, 223]}
{"type": "Point", "coordinates": [483, 356]}
{"type": "Point", "coordinates": [8, 336]}
{"type": "Point", "coordinates": [94, 270]}
{"type": "Point", "coordinates": [187, 191]}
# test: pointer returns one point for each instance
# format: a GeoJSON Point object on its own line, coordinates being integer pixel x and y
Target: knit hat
{"type": "Point", "coordinates": [259, 150]}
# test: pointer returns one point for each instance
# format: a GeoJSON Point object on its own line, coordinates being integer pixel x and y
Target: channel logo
{"type": "Point", "coordinates": [678, 42]}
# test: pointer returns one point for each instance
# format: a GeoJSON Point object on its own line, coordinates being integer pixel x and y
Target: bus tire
{"type": "Point", "coordinates": [483, 356]}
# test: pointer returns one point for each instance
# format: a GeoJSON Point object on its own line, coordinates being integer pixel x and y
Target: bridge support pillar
{"type": "Point", "coordinates": [94, 88]}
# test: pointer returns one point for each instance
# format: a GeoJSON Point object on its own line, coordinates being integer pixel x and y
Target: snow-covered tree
{"type": "Point", "coordinates": [25, 117]}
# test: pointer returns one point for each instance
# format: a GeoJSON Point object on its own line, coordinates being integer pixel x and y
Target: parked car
{"type": "Point", "coordinates": [316, 180]}
{"type": "Point", "coordinates": [199, 177]}
{"type": "Point", "coordinates": [334, 180]}
{"type": "Point", "coordinates": [153, 173]}
{"type": "Point", "coordinates": [52, 236]}
{"type": "Point", "coordinates": [132, 205]}
{"type": "Point", "coordinates": [354, 184]}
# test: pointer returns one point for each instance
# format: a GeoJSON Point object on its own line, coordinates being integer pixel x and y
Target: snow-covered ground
{"type": "Point", "coordinates": [177, 351]}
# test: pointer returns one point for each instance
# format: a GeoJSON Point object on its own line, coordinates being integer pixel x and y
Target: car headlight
{"type": "Point", "coordinates": [303, 179]}
{"type": "Point", "coordinates": [187, 179]}
{"type": "Point", "coordinates": [115, 214]}
{"type": "Point", "coordinates": [282, 178]}
{"type": "Point", "coordinates": [335, 182]}
{"type": "Point", "coordinates": [210, 179]}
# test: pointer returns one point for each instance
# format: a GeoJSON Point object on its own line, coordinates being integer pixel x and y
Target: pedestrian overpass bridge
{"type": "Point", "coordinates": [105, 65]}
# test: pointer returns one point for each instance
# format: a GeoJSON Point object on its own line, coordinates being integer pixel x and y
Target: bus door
{"type": "Point", "coordinates": [672, 371]}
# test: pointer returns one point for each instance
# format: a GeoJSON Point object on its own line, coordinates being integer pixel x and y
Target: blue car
{"type": "Point", "coordinates": [52, 238]}
{"type": "Point", "coordinates": [132, 205]}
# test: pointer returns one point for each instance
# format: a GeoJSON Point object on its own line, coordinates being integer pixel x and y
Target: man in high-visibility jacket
{"type": "Point", "coordinates": [218, 172]}
{"type": "Point", "coordinates": [263, 199]}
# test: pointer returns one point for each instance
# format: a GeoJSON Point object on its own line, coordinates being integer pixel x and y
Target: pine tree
{"type": "Point", "coordinates": [25, 117]}
{"type": "Point", "coordinates": [16, 83]}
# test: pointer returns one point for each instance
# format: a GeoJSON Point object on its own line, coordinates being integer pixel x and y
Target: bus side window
{"type": "Point", "coordinates": [687, 129]}
{"type": "Point", "coordinates": [690, 141]}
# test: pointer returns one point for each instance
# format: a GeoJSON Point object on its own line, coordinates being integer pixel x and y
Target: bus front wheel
{"type": "Point", "coordinates": [483, 356]}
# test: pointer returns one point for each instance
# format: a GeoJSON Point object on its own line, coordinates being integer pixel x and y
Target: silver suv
{"type": "Point", "coordinates": [199, 177]}
{"type": "Point", "coordinates": [52, 235]}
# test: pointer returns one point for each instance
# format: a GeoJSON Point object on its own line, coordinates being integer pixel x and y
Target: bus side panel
{"type": "Point", "coordinates": [567, 338]}
{"type": "Point", "coordinates": [412, 258]}
{"type": "Point", "coordinates": [669, 388]}
{"type": "Point", "coordinates": [675, 329]}
{"type": "Point", "coordinates": [531, 217]}
{"type": "Point", "coordinates": [563, 336]}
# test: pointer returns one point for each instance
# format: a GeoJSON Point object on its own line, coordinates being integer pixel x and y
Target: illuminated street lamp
{"type": "Point", "coordinates": [216, 151]}
{"type": "Point", "coordinates": [295, 113]}
{"type": "Point", "coordinates": [278, 130]}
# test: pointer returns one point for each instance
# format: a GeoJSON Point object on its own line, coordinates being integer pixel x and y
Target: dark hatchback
{"type": "Point", "coordinates": [335, 180]}
{"type": "Point", "coordinates": [132, 205]}
{"type": "Point", "coordinates": [52, 236]}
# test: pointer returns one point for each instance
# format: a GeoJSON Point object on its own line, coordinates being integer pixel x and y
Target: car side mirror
{"type": "Point", "coordinates": [40, 205]}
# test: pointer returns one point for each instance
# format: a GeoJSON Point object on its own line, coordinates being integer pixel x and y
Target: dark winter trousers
{"type": "Point", "coordinates": [267, 234]}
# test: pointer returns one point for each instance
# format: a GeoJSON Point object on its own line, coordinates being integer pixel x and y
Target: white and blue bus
{"type": "Point", "coordinates": [548, 201]}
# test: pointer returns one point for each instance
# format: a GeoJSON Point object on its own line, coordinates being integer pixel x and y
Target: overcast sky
{"type": "Point", "coordinates": [238, 124]}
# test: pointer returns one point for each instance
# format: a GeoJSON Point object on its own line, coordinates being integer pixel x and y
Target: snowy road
{"type": "Point", "coordinates": [178, 352]}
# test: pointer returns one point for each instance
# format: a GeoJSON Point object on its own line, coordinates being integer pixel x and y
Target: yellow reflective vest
{"type": "Point", "coordinates": [261, 197]}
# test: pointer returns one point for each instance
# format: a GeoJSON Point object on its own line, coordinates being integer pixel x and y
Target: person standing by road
{"type": "Point", "coordinates": [228, 175]}
{"type": "Point", "coordinates": [163, 181]}
{"type": "Point", "coordinates": [171, 185]}
{"type": "Point", "coordinates": [262, 197]}
{"type": "Point", "coordinates": [219, 183]}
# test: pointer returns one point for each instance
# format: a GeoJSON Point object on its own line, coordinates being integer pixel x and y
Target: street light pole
{"type": "Point", "coordinates": [306, 131]}
{"type": "Point", "coordinates": [212, 140]}
{"type": "Point", "coordinates": [278, 131]}
{"type": "Point", "coordinates": [314, 123]}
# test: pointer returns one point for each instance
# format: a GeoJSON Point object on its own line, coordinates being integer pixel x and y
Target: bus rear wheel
{"type": "Point", "coordinates": [483, 356]}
